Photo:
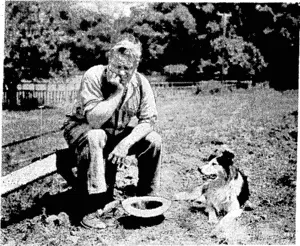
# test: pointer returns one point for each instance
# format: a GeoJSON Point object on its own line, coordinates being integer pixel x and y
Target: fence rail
{"type": "Point", "coordinates": [31, 138]}
{"type": "Point", "coordinates": [43, 94]}
{"type": "Point", "coordinates": [53, 94]}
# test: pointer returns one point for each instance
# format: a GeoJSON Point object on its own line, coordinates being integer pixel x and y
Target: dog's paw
{"type": "Point", "coordinates": [181, 196]}
{"type": "Point", "coordinates": [218, 230]}
{"type": "Point", "coordinates": [214, 233]}
{"type": "Point", "coordinates": [224, 224]}
{"type": "Point", "coordinates": [213, 221]}
{"type": "Point", "coordinates": [219, 227]}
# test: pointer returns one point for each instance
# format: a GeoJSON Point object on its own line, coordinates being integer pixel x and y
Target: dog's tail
{"type": "Point", "coordinates": [245, 193]}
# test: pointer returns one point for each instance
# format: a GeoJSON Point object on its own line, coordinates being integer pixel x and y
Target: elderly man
{"type": "Point", "coordinates": [109, 97]}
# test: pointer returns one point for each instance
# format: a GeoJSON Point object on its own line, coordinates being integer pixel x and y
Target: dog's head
{"type": "Point", "coordinates": [218, 166]}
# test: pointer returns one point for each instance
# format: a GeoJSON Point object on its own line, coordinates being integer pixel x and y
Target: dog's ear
{"type": "Point", "coordinates": [226, 158]}
{"type": "Point", "coordinates": [227, 154]}
{"type": "Point", "coordinates": [211, 157]}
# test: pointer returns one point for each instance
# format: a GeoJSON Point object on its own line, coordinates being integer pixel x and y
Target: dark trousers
{"type": "Point", "coordinates": [96, 174]}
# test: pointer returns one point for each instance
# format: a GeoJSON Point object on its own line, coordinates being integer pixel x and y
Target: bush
{"type": "Point", "coordinates": [175, 72]}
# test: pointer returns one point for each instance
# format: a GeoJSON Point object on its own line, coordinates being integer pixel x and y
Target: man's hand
{"type": "Point", "coordinates": [115, 80]}
{"type": "Point", "coordinates": [117, 156]}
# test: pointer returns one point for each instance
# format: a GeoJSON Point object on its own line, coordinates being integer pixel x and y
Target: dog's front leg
{"type": "Point", "coordinates": [189, 196]}
{"type": "Point", "coordinates": [234, 212]}
{"type": "Point", "coordinates": [212, 216]}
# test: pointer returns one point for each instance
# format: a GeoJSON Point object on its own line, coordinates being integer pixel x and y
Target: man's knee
{"type": "Point", "coordinates": [97, 137]}
{"type": "Point", "coordinates": [154, 139]}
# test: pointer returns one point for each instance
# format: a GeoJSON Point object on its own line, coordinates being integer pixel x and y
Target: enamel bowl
{"type": "Point", "coordinates": [146, 206]}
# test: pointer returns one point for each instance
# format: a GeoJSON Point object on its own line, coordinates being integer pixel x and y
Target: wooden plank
{"type": "Point", "coordinates": [28, 174]}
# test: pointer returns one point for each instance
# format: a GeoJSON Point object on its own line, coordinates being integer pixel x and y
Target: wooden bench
{"type": "Point", "coordinates": [61, 161]}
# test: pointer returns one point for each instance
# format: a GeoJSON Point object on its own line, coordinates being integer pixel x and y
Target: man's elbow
{"type": "Point", "coordinates": [150, 120]}
{"type": "Point", "coordinates": [148, 123]}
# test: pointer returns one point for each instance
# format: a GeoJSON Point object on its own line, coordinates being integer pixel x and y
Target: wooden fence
{"type": "Point", "coordinates": [56, 94]}
{"type": "Point", "coordinates": [44, 94]}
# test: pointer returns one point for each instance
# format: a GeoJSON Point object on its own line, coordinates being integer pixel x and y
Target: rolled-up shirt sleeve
{"type": "Point", "coordinates": [148, 111]}
{"type": "Point", "coordinates": [90, 91]}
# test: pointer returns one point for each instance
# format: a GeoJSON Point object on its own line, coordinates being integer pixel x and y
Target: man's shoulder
{"type": "Point", "coordinates": [142, 79]}
{"type": "Point", "coordinates": [96, 70]}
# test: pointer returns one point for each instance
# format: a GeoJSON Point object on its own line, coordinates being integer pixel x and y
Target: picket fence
{"type": "Point", "coordinates": [58, 93]}
{"type": "Point", "coordinates": [43, 94]}
{"type": "Point", "coordinates": [54, 94]}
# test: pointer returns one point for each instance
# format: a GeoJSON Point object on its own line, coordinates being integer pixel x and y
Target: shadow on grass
{"type": "Point", "coordinates": [26, 107]}
{"type": "Point", "coordinates": [44, 196]}
{"type": "Point", "coordinates": [198, 209]}
{"type": "Point", "coordinates": [47, 204]}
{"type": "Point", "coordinates": [72, 202]}
{"type": "Point", "coordinates": [132, 222]}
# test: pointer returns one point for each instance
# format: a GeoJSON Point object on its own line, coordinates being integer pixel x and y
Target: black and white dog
{"type": "Point", "coordinates": [225, 191]}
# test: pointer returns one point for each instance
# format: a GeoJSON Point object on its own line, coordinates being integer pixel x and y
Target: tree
{"type": "Point", "coordinates": [91, 32]}
{"type": "Point", "coordinates": [175, 72]}
{"type": "Point", "coordinates": [165, 32]}
{"type": "Point", "coordinates": [218, 49]}
{"type": "Point", "coordinates": [238, 59]}
{"type": "Point", "coordinates": [34, 45]}
{"type": "Point", "coordinates": [274, 29]}
{"type": "Point", "coordinates": [270, 28]}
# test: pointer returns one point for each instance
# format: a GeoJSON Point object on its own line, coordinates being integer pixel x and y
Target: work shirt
{"type": "Point", "coordinates": [138, 101]}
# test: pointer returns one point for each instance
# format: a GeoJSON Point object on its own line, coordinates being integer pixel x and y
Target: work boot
{"type": "Point", "coordinates": [93, 221]}
{"type": "Point", "coordinates": [92, 210]}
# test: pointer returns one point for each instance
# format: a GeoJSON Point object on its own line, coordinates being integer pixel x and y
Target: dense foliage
{"type": "Point", "coordinates": [257, 42]}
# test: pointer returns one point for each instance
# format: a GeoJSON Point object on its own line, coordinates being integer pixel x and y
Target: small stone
{"type": "Point", "coordinates": [110, 222]}
{"type": "Point", "coordinates": [63, 217]}
{"type": "Point", "coordinates": [100, 212]}
{"type": "Point", "coordinates": [50, 219]}
{"type": "Point", "coordinates": [74, 239]}
{"type": "Point", "coordinates": [10, 243]}
{"type": "Point", "coordinates": [264, 216]}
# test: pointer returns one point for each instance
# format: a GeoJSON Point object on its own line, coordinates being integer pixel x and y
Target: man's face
{"type": "Point", "coordinates": [120, 66]}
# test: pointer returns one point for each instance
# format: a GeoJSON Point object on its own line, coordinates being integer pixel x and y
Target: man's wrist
{"type": "Point", "coordinates": [119, 90]}
{"type": "Point", "coordinates": [127, 143]}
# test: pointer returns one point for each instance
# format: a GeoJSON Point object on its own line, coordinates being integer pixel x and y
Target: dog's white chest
{"type": "Point", "coordinates": [223, 197]}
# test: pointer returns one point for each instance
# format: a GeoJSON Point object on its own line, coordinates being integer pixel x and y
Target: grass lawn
{"type": "Point", "coordinates": [258, 124]}
{"type": "Point", "coordinates": [18, 125]}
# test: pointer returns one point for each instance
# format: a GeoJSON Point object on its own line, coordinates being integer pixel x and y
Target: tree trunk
{"type": "Point", "coordinates": [12, 98]}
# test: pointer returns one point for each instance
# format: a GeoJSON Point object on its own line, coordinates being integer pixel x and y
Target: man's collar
{"type": "Point", "coordinates": [134, 80]}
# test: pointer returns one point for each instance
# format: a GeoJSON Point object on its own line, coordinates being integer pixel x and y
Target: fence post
{"type": "Point", "coordinates": [41, 108]}
{"type": "Point", "coordinates": [66, 94]}
{"type": "Point", "coordinates": [47, 93]}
